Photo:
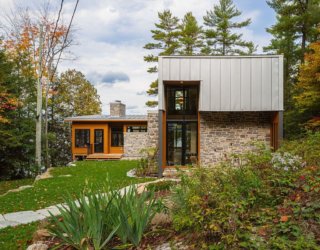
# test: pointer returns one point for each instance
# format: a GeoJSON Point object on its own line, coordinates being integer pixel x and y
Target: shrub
{"type": "Point", "coordinates": [254, 203]}
{"type": "Point", "coordinates": [307, 148]}
{"type": "Point", "coordinates": [148, 164]}
{"type": "Point", "coordinates": [286, 161]}
{"type": "Point", "coordinates": [161, 186]}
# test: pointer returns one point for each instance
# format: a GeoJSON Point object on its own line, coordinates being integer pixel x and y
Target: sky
{"type": "Point", "coordinates": [110, 35]}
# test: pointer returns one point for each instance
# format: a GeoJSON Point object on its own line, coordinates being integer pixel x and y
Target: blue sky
{"type": "Point", "coordinates": [111, 34]}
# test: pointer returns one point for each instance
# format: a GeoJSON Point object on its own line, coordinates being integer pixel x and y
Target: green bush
{"type": "Point", "coordinates": [308, 148]}
{"type": "Point", "coordinates": [161, 186]}
{"type": "Point", "coordinates": [91, 221]}
{"type": "Point", "coordinates": [148, 164]}
{"type": "Point", "coordinates": [251, 203]}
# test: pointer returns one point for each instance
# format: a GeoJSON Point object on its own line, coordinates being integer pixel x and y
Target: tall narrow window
{"type": "Point", "coordinates": [82, 138]}
{"type": "Point", "coordinates": [117, 137]}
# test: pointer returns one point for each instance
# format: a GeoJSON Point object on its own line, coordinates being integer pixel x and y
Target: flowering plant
{"type": "Point", "coordinates": [286, 161]}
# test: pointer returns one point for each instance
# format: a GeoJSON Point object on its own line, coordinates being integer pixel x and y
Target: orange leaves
{"type": "Point", "coordinates": [284, 218]}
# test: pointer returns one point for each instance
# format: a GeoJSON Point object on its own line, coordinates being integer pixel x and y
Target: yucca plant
{"type": "Point", "coordinates": [85, 222]}
{"type": "Point", "coordinates": [133, 214]}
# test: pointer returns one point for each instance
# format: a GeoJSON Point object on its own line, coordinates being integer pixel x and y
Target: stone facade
{"type": "Point", "coordinates": [133, 143]}
{"type": "Point", "coordinates": [153, 129]}
{"type": "Point", "coordinates": [117, 109]}
{"type": "Point", "coordinates": [222, 133]}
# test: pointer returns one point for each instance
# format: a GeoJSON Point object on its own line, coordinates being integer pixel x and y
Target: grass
{"type": "Point", "coordinates": [17, 237]}
{"type": "Point", "coordinates": [51, 191]}
{"type": "Point", "coordinates": [5, 186]}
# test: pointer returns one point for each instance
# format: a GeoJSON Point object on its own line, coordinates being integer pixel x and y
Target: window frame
{"type": "Point", "coordinates": [85, 139]}
{"type": "Point", "coordinates": [142, 128]}
{"type": "Point", "coordinates": [119, 138]}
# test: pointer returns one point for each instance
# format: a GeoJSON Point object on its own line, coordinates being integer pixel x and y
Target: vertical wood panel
{"type": "Point", "coordinates": [215, 84]}
{"type": "Point", "coordinates": [205, 84]}
{"type": "Point", "coordinates": [195, 69]}
{"type": "Point", "coordinates": [175, 69]}
{"type": "Point", "coordinates": [256, 82]}
{"type": "Point", "coordinates": [266, 84]}
{"type": "Point", "coordinates": [225, 85]}
{"type": "Point", "coordinates": [185, 69]}
{"type": "Point", "coordinates": [275, 83]}
{"type": "Point", "coordinates": [235, 84]}
{"type": "Point", "coordinates": [245, 84]}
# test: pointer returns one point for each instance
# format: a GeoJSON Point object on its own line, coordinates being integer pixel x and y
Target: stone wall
{"type": "Point", "coordinates": [222, 133]}
{"type": "Point", "coordinates": [153, 129]}
{"type": "Point", "coordinates": [133, 143]}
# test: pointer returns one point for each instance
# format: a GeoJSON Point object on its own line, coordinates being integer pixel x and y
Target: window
{"type": "Point", "coordinates": [117, 137]}
{"type": "Point", "coordinates": [137, 129]}
{"type": "Point", "coordinates": [82, 138]}
{"type": "Point", "coordinates": [182, 100]}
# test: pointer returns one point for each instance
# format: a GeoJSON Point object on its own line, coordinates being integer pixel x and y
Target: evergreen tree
{"type": "Point", "coordinates": [220, 38]}
{"type": "Point", "coordinates": [190, 39]}
{"type": "Point", "coordinates": [165, 38]}
{"type": "Point", "coordinates": [295, 27]}
{"type": "Point", "coordinates": [17, 109]}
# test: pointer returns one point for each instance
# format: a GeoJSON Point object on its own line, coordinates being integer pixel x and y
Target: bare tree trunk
{"type": "Point", "coordinates": [46, 127]}
{"type": "Point", "coordinates": [39, 104]}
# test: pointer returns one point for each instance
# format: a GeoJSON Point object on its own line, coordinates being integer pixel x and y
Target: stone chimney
{"type": "Point", "coordinates": [117, 108]}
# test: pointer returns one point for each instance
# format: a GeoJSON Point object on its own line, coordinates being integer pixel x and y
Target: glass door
{"type": "Point", "coordinates": [98, 140]}
{"type": "Point", "coordinates": [182, 143]}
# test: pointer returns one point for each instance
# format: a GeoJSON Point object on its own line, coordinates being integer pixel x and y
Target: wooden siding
{"type": "Point", "coordinates": [230, 83]}
{"type": "Point", "coordinates": [105, 126]}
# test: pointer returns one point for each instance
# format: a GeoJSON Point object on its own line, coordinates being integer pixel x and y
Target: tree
{"type": "Point", "coordinates": [165, 38]}
{"type": "Point", "coordinates": [72, 95]}
{"type": "Point", "coordinates": [220, 38]}
{"type": "Point", "coordinates": [43, 39]}
{"type": "Point", "coordinates": [17, 98]}
{"type": "Point", "coordinates": [75, 95]}
{"type": "Point", "coordinates": [307, 95]}
{"type": "Point", "coordinates": [295, 28]}
{"type": "Point", "coordinates": [190, 37]}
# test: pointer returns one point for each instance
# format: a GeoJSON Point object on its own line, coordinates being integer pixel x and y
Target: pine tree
{"type": "Point", "coordinates": [190, 38]}
{"type": "Point", "coordinates": [165, 38]}
{"type": "Point", "coordinates": [220, 38]}
{"type": "Point", "coordinates": [295, 27]}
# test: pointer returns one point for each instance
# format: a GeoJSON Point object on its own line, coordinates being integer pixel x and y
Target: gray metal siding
{"type": "Point", "coordinates": [230, 83]}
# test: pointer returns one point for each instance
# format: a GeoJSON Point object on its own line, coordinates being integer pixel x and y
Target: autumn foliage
{"type": "Point", "coordinates": [308, 87]}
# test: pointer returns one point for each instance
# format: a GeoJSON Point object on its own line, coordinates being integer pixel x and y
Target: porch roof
{"type": "Point", "coordinates": [91, 118]}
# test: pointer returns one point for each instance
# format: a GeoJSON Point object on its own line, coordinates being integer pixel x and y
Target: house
{"type": "Point", "coordinates": [209, 107]}
{"type": "Point", "coordinates": [109, 136]}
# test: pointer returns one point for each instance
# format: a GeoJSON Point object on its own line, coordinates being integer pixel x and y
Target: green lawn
{"type": "Point", "coordinates": [53, 190]}
{"type": "Point", "coordinates": [5, 186]}
{"type": "Point", "coordinates": [19, 237]}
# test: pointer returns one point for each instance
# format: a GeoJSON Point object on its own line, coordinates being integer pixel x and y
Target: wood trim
{"type": "Point", "coordinates": [274, 131]}
{"type": "Point", "coordinates": [198, 137]}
